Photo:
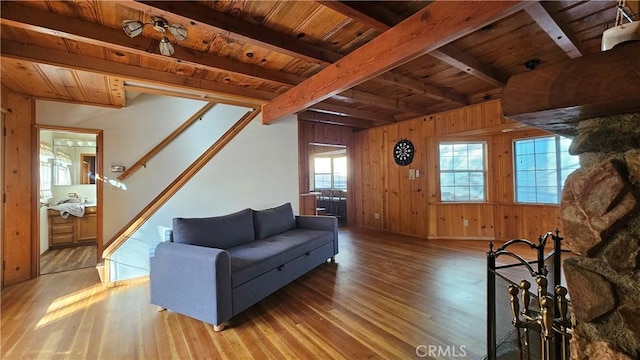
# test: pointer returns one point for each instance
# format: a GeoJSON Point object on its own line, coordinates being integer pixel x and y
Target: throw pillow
{"type": "Point", "coordinates": [221, 232]}
{"type": "Point", "coordinates": [273, 221]}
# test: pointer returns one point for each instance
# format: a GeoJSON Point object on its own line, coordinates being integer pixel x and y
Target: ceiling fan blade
{"type": "Point", "coordinates": [178, 31]}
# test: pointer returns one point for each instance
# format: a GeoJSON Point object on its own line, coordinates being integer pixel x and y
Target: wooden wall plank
{"type": "Point", "coordinates": [18, 182]}
{"type": "Point", "coordinates": [413, 207]}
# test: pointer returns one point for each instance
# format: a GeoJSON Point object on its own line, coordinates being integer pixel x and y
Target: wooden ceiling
{"type": "Point", "coordinates": [261, 52]}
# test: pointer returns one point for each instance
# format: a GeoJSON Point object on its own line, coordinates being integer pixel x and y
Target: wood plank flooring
{"type": "Point", "coordinates": [385, 295]}
{"type": "Point", "coordinates": [65, 259]}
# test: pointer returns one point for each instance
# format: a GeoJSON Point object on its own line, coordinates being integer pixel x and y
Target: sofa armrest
{"type": "Point", "coordinates": [192, 280]}
{"type": "Point", "coordinates": [315, 222]}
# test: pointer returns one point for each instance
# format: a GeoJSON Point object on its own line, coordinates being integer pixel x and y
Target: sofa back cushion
{"type": "Point", "coordinates": [221, 232]}
{"type": "Point", "coordinates": [273, 221]}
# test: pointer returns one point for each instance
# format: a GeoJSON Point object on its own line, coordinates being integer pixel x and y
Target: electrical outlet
{"type": "Point", "coordinates": [376, 216]}
{"type": "Point", "coordinates": [465, 222]}
{"type": "Point", "coordinates": [412, 174]}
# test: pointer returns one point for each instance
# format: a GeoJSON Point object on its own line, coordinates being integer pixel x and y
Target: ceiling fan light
{"type": "Point", "coordinates": [166, 48]}
{"type": "Point", "coordinates": [178, 31]}
{"type": "Point", "coordinates": [132, 28]}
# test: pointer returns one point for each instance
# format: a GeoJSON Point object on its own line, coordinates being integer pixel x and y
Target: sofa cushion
{"type": "Point", "coordinates": [218, 232]}
{"type": "Point", "coordinates": [273, 221]}
{"type": "Point", "coordinates": [255, 258]}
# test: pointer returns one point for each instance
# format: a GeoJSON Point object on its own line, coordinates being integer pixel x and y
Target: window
{"type": "Point", "coordinates": [46, 175]}
{"type": "Point", "coordinates": [330, 172]}
{"type": "Point", "coordinates": [63, 165]}
{"type": "Point", "coordinates": [542, 166]}
{"type": "Point", "coordinates": [462, 171]}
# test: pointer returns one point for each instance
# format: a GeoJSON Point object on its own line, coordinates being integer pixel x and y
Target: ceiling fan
{"type": "Point", "coordinates": [134, 28]}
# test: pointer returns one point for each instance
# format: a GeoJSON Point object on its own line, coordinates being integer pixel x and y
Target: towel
{"type": "Point", "coordinates": [67, 209]}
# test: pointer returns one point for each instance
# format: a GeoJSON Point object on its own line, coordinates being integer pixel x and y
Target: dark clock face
{"type": "Point", "coordinates": [403, 152]}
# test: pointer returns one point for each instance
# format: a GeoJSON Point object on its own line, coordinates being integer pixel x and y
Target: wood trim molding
{"type": "Point", "coordinates": [166, 141]}
{"type": "Point", "coordinates": [129, 229]}
{"type": "Point", "coordinates": [423, 32]}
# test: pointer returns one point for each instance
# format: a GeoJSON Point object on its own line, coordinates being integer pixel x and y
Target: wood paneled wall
{"type": "Point", "coordinates": [18, 182]}
{"type": "Point", "coordinates": [386, 198]}
{"type": "Point", "coordinates": [310, 133]}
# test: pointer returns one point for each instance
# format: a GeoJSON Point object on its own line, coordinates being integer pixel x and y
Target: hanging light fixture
{"type": "Point", "coordinates": [621, 32]}
{"type": "Point", "coordinates": [134, 28]}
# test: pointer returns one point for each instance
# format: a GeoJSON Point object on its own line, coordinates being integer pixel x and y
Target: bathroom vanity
{"type": "Point", "coordinates": [72, 231]}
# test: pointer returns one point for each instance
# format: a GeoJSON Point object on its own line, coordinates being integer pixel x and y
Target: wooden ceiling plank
{"type": "Point", "coordinates": [294, 47]}
{"type": "Point", "coordinates": [335, 119]}
{"type": "Point", "coordinates": [354, 14]}
{"type": "Point", "coordinates": [233, 28]}
{"type": "Point", "coordinates": [217, 90]}
{"type": "Point", "coordinates": [350, 111]}
{"type": "Point", "coordinates": [446, 53]}
{"type": "Point", "coordinates": [23, 17]}
{"type": "Point", "coordinates": [236, 29]}
{"type": "Point", "coordinates": [425, 31]}
{"type": "Point", "coordinates": [559, 34]}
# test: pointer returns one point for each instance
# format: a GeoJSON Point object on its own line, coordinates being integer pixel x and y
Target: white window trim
{"type": "Point", "coordinates": [485, 166]}
{"type": "Point", "coordinates": [515, 174]}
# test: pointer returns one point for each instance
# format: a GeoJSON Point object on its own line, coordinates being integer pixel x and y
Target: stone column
{"type": "Point", "coordinates": [600, 211]}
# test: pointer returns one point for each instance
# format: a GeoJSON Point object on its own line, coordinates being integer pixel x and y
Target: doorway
{"type": "Point", "coordinates": [328, 176]}
{"type": "Point", "coordinates": [69, 217]}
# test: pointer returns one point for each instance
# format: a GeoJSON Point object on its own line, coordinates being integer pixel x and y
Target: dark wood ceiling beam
{"type": "Point", "coordinates": [19, 16]}
{"type": "Point", "coordinates": [422, 88]}
{"type": "Point", "coordinates": [334, 119]}
{"type": "Point", "coordinates": [382, 102]}
{"type": "Point", "coordinates": [352, 112]}
{"type": "Point", "coordinates": [447, 53]}
{"type": "Point", "coordinates": [426, 30]}
{"type": "Point", "coordinates": [232, 28]}
{"type": "Point", "coordinates": [462, 61]}
{"type": "Point", "coordinates": [566, 40]}
{"type": "Point", "coordinates": [217, 91]}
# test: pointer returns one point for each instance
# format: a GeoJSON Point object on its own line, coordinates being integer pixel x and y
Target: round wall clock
{"type": "Point", "coordinates": [403, 152]}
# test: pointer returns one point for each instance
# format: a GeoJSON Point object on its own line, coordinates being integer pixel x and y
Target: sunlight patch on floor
{"type": "Point", "coordinates": [74, 302]}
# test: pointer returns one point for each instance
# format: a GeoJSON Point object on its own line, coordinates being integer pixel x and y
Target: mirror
{"type": "Point", "coordinates": [75, 158]}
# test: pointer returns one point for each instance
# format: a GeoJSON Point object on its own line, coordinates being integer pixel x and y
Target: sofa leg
{"type": "Point", "coordinates": [333, 259]}
{"type": "Point", "coordinates": [218, 328]}
{"type": "Point", "coordinates": [160, 308]}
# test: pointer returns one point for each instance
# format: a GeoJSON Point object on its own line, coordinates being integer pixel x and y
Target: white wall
{"type": "Point", "coordinates": [258, 169]}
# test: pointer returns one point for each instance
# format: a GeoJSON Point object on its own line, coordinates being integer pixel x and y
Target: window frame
{"type": "Point", "coordinates": [558, 169]}
{"type": "Point", "coordinates": [332, 173]}
{"type": "Point", "coordinates": [485, 173]}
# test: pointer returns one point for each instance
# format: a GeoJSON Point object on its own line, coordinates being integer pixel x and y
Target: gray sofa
{"type": "Point", "coordinates": [213, 268]}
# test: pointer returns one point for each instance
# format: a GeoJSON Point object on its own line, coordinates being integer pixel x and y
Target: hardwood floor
{"type": "Point", "coordinates": [385, 296]}
{"type": "Point", "coordinates": [65, 259]}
